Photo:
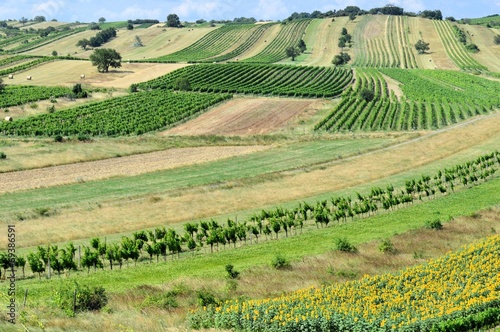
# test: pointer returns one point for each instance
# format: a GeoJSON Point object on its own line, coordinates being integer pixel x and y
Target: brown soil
{"type": "Point", "coordinates": [124, 166]}
{"type": "Point", "coordinates": [244, 116]}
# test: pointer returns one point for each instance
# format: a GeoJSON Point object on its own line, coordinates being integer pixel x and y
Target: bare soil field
{"type": "Point", "coordinates": [463, 141]}
{"type": "Point", "coordinates": [244, 116]}
{"type": "Point", "coordinates": [67, 73]}
{"type": "Point", "coordinates": [123, 166]}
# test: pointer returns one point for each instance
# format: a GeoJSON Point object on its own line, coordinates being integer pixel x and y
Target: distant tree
{"type": "Point", "coordinates": [344, 31]}
{"type": "Point", "coordinates": [341, 59]}
{"type": "Point", "coordinates": [94, 26]}
{"type": "Point", "coordinates": [83, 43]}
{"type": "Point", "coordinates": [451, 19]}
{"type": "Point", "coordinates": [293, 52]}
{"type": "Point", "coordinates": [302, 46]}
{"type": "Point", "coordinates": [39, 19]}
{"type": "Point", "coordinates": [496, 39]}
{"type": "Point", "coordinates": [23, 20]}
{"type": "Point", "coordinates": [421, 46]}
{"type": "Point", "coordinates": [472, 48]}
{"type": "Point", "coordinates": [138, 42]}
{"type": "Point", "coordinates": [367, 94]}
{"type": "Point", "coordinates": [352, 16]}
{"type": "Point", "coordinates": [102, 20]}
{"type": "Point", "coordinates": [182, 83]}
{"type": "Point", "coordinates": [104, 58]}
{"type": "Point", "coordinates": [200, 21]}
{"type": "Point", "coordinates": [342, 42]}
{"type": "Point", "coordinates": [54, 53]}
{"type": "Point", "coordinates": [130, 26]}
{"type": "Point", "coordinates": [173, 21]}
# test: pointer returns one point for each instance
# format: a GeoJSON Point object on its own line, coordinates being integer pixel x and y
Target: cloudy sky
{"type": "Point", "coordinates": [191, 10]}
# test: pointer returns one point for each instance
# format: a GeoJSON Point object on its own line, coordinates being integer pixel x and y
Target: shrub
{"type": "Point", "coordinates": [205, 298]}
{"type": "Point", "coordinates": [496, 39]}
{"type": "Point", "coordinates": [51, 109]}
{"type": "Point", "coordinates": [280, 262]}
{"type": "Point", "coordinates": [472, 48]}
{"type": "Point", "coordinates": [58, 138]}
{"type": "Point", "coordinates": [342, 244]}
{"type": "Point", "coordinates": [87, 298]}
{"type": "Point", "coordinates": [165, 301]}
{"type": "Point", "coordinates": [3, 155]}
{"type": "Point", "coordinates": [387, 247]}
{"type": "Point", "coordinates": [83, 138]}
{"type": "Point", "coordinates": [434, 224]}
{"type": "Point", "coordinates": [231, 272]}
{"type": "Point", "coordinates": [367, 94]}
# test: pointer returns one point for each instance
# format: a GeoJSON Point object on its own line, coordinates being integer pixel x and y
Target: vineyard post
{"type": "Point", "coordinates": [48, 267]}
{"type": "Point", "coordinates": [25, 297]}
{"type": "Point", "coordinates": [79, 256]}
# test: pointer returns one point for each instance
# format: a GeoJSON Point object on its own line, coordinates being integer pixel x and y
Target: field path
{"type": "Point", "coordinates": [244, 116]}
{"type": "Point", "coordinates": [123, 166]}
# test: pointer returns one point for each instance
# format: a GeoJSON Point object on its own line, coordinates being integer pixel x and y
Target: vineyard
{"type": "Point", "coordinates": [432, 99]}
{"type": "Point", "coordinates": [289, 35]}
{"type": "Point", "coordinates": [145, 245]}
{"type": "Point", "coordinates": [216, 43]}
{"type": "Point", "coordinates": [435, 296]}
{"type": "Point", "coordinates": [134, 114]}
{"type": "Point", "coordinates": [20, 95]}
{"type": "Point", "coordinates": [455, 50]}
{"type": "Point", "coordinates": [276, 80]}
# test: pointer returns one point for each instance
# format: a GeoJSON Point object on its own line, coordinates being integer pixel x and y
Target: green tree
{"type": "Point", "coordinates": [173, 21]}
{"type": "Point", "coordinates": [344, 31]}
{"type": "Point", "coordinates": [21, 262]}
{"type": "Point", "coordinates": [104, 58]}
{"type": "Point", "coordinates": [130, 27]}
{"type": "Point", "coordinates": [54, 53]}
{"type": "Point", "coordinates": [496, 39]}
{"type": "Point", "coordinates": [83, 43]}
{"type": "Point", "coordinates": [352, 16]}
{"type": "Point", "coordinates": [341, 59]}
{"type": "Point", "coordinates": [182, 83]}
{"type": "Point", "coordinates": [302, 46]}
{"type": "Point", "coordinates": [421, 46]}
{"type": "Point", "coordinates": [39, 19]}
{"type": "Point", "coordinates": [342, 42]}
{"type": "Point", "coordinates": [102, 20]}
{"type": "Point", "coordinates": [293, 52]}
{"type": "Point", "coordinates": [36, 264]}
{"type": "Point", "coordinates": [367, 94]}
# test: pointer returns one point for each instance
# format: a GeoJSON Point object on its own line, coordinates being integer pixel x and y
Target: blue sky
{"type": "Point", "coordinates": [191, 10]}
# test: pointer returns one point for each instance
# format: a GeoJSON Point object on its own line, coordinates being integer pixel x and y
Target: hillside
{"type": "Point", "coordinates": [211, 173]}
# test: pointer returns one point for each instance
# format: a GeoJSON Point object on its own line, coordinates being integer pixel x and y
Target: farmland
{"type": "Point", "coordinates": [210, 161]}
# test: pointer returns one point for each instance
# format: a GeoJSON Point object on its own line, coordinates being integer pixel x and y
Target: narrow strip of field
{"type": "Point", "coordinates": [67, 73]}
{"type": "Point", "coordinates": [124, 166]}
{"type": "Point", "coordinates": [437, 56]}
{"type": "Point", "coordinates": [324, 42]}
{"type": "Point", "coordinates": [262, 43]}
{"type": "Point", "coordinates": [244, 116]}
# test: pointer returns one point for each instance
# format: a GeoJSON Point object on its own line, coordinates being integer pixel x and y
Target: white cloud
{"type": "Point", "coordinates": [271, 10]}
{"type": "Point", "coordinates": [49, 8]}
{"type": "Point", "coordinates": [411, 5]}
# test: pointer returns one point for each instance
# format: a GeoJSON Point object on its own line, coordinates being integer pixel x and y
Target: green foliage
{"type": "Point", "coordinates": [280, 262]}
{"type": "Point", "coordinates": [273, 79]}
{"type": "Point", "coordinates": [87, 298]}
{"type": "Point", "coordinates": [292, 52]}
{"type": "Point", "coordinates": [58, 138]}
{"type": "Point", "coordinates": [387, 247]}
{"type": "Point", "coordinates": [78, 91]}
{"type": "Point", "coordinates": [205, 298]}
{"type": "Point", "coordinates": [302, 46]}
{"type": "Point", "coordinates": [367, 94]}
{"type": "Point", "coordinates": [472, 48]}
{"type": "Point", "coordinates": [434, 224]}
{"type": "Point", "coordinates": [104, 58]}
{"type": "Point", "coordinates": [422, 46]}
{"type": "Point", "coordinates": [342, 244]}
{"type": "Point", "coordinates": [182, 84]}
{"type": "Point", "coordinates": [231, 272]}
{"type": "Point", "coordinates": [341, 59]}
{"type": "Point", "coordinates": [3, 155]}
{"type": "Point", "coordinates": [173, 21]}
{"type": "Point", "coordinates": [496, 39]}
{"type": "Point", "coordinates": [166, 301]}
{"type": "Point", "coordinates": [54, 53]}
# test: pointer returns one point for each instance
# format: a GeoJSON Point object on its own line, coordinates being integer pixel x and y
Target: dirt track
{"type": "Point", "coordinates": [124, 166]}
{"type": "Point", "coordinates": [244, 116]}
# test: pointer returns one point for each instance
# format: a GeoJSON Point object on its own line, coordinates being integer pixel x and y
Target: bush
{"type": "Point", "coordinates": [58, 138]}
{"type": "Point", "coordinates": [280, 262]}
{"type": "Point", "coordinates": [472, 48]}
{"type": "Point", "coordinates": [165, 301]}
{"type": "Point", "coordinates": [205, 298]}
{"type": "Point", "coordinates": [344, 245]}
{"type": "Point", "coordinates": [496, 39]}
{"type": "Point", "coordinates": [387, 247]}
{"type": "Point", "coordinates": [367, 94]}
{"type": "Point", "coordinates": [231, 272]}
{"type": "Point", "coordinates": [87, 298]}
{"type": "Point", "coordinates": [3, 155]}
{"type": "Point", "coordinates": [434, 224]}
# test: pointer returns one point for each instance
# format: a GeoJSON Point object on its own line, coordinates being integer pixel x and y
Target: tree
{"type": "Point", "coordinates": [83, 43]}
{"type": "Point", "coordinates": [102, 20]}
{"type": "Point", "coordinates": [182, 83]}
{"type": "Point", "coordinates": [173, 21]}
{"type": "Point", "coordinates": [341, 59]}
{"type": "Point", "coordinates": [54, 53]}
{"type": "Point", "coordinates": [293, 52]}
{"type": "Point", "coordinates": [130, 27]}
{"type": "Point", "coordinates": [104, 58]}
{"type": "Point", "coordinates": [421, 46]}
{"type": "Point", "coordinates": [2, 85]}
{"type": "Point", "coordinates": [302, 46]}
{"type": "Point", "coordinates": [342, 42]}
{"type": "Point", "coordinates": [344, 31]}
{"type": "Point", "coordinates": [23, 20]}
{"type": "Point", "coordinates": [39, 19]}
{"type": "Point", "coordinates": [367, 94]}
{"type": "Point", "coordinates": [352, 16]}
{"type": "Point", "coordinates": [496, 39]}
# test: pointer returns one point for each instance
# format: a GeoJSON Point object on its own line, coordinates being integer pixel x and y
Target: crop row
{"type": "Point", "coordinates": [133, 114]}
{"type": "Point", "coordinates": [432, 99]}
{"type": "Point", "coordinates": [25, 65]}
{"type": "Point", "coordinates": [419, 298]}
{"type": "Point", "coordinates": [211, 45]}
{"type": "Point", "coordinates": [456, 51]}
{"type": "Point", "coordinates": [402, 31]}
{"type": "Point", "coordinates": [273, 223]}
{"type": "Point", "coordinates": [20, 95]}
{"type": "Point", "coordinates": [258, 79]}
{"type": "Point", "coordinates": [40, 41]}
{"type": "Point", "coordinates": [290, 35]}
